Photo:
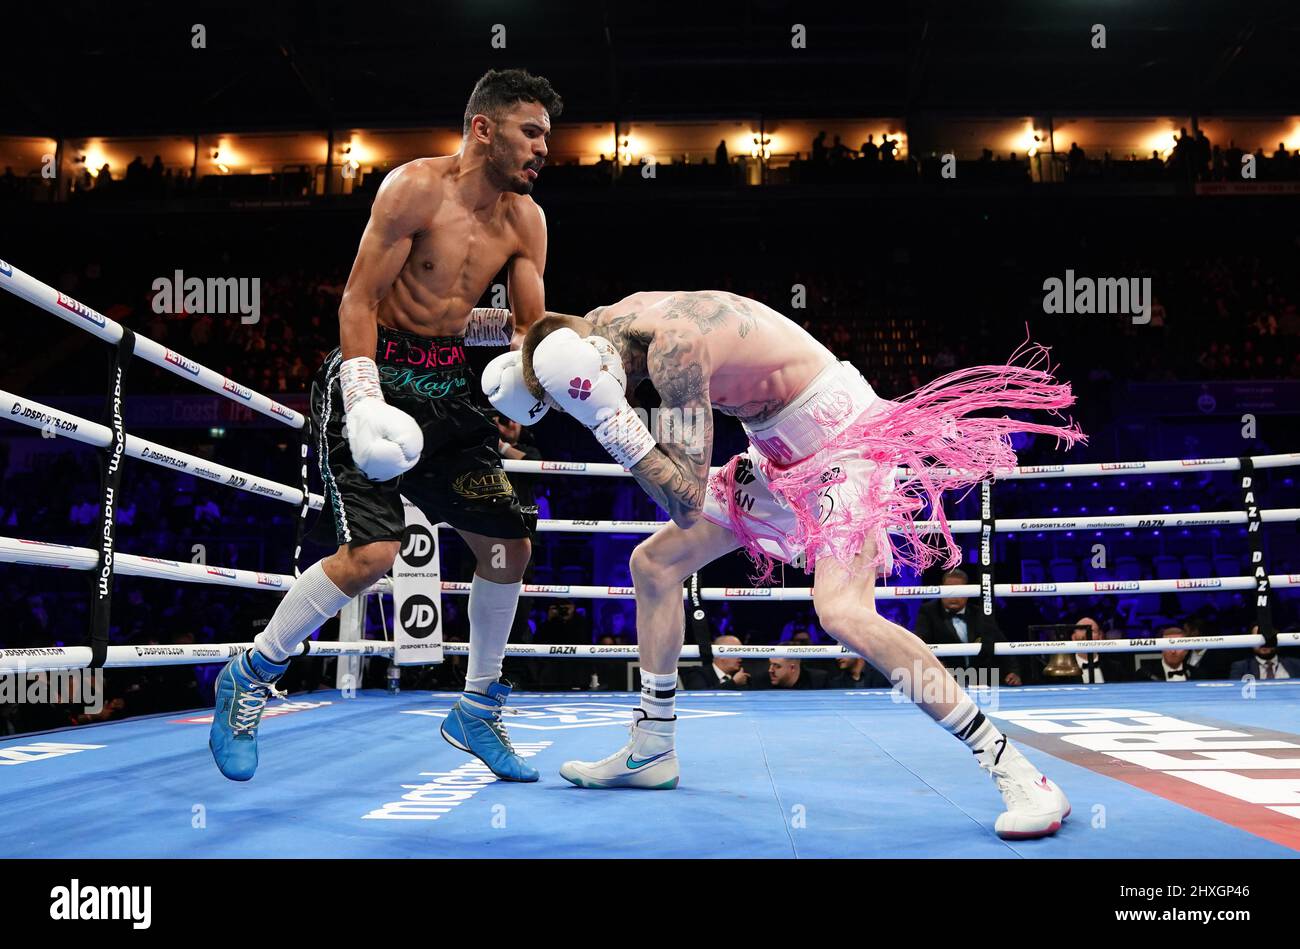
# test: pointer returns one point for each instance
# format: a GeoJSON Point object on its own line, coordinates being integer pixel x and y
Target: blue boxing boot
{"type": "Point", "coordinates": [474, 725]}
{"type": "Point", "coordinates": [243, 688]}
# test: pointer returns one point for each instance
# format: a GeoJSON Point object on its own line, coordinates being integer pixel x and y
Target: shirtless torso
{"type": "Point", "coordinates": [436, 238]}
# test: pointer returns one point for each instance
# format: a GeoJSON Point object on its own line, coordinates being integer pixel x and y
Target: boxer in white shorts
{"type": "Point", "coordinates": [817, 479]}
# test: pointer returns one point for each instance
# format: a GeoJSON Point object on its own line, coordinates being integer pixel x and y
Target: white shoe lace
{"type": "Point", "coordinates": [252, 701]}
{"type": "Point", "coordinates": [1013, 791]}
{"type": "Point", "coordinates": [623, 752]}
{"type": "Point", "coordinates": [499, 729]}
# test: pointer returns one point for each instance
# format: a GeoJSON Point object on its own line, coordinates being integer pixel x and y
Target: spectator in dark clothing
{"type": "Point", "coordinates": [565, 626]}
{"type": "Point", "coordinates": [1171, 666]}
{"type": "Point", "coordinates": [723, 674]}
{"type": "Point", "coordinates": [854, 672]}
{"type": "Point", "coordinates": [1266, 663]}
{"type": "Point", "coordinates": [611, 674]}
{"type": "Point", "coordinates": [819, 148]}
{"type": "Point", "coordinates": [1098, 668]}
{"type": "Point", "coordinates": [958, 619]}
{"type": "Point", "coordinates": [870, 150]}
{"type": "Point", "coordinates": [790, 674]}
{"type": "Point", "coordinates": [1210, 663]}
{"type": "Point", "coordinates": [720, 157]}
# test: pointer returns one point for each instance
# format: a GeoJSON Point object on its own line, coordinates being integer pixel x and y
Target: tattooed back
{"type": "Point", "coordinates": [760, 359]}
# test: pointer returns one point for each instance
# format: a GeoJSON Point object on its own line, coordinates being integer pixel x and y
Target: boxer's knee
{"type": "Point", "coordinates": [353, 569]}
{"type": "Point", "coordinates": [650, 567]}
{"type": "Point", "coordinates": [505, 560]}
{"type": "Point", "coordinates": [844, 616]}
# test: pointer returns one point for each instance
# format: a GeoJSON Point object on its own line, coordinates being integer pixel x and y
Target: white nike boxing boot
{"type": "Point", "coordinates": [1036, 807]}
{"type": "Point", "coordinates": [648, 760]}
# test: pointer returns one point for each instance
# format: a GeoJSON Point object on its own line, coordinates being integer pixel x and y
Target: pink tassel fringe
{"type": "Point", "coordinates": [936, 435]}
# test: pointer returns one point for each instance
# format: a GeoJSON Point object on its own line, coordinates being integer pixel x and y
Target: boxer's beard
{"type": "Point", "coordinates": [503, 171]}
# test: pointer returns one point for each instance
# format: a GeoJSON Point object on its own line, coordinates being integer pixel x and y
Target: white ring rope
{"type": "Point", "coordinates": [49, 419]}
{"type": "Point", "coordinates": [41, 554]}
{"type": "Point", "coordinates": [18, 661]}
{"type": "Point", "coordinates": [27, 287]}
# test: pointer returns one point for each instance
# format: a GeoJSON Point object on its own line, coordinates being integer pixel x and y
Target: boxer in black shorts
{"type": "Point", "coordinates": [398, 411]}
{"type": "Point", "coordinates": [458, 479]}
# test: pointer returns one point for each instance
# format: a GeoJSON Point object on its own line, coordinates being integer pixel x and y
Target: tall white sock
{"type": "Point", "coordinates": [659, 694]}
{"type": "Point", "coordinates": [311, 601]}
{"type": "Point", "coordinates": [968, 724]}
{"type": "Point", "coordinates": [491, 614]}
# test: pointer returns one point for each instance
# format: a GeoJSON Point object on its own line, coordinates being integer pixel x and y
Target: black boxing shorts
{"type": "Point", "coordinates": [458, 479]}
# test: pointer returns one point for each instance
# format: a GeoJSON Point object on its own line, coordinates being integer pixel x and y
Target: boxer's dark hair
{"type": "Point", "coordinates": [501, 88]}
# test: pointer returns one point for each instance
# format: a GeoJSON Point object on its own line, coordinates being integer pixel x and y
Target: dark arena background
{"type": "Point", "coordinates": [923, 187]}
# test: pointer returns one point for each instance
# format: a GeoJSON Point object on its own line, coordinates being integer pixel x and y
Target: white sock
{"type": "Point", "coordinates": [310, 603]}
{"type": "Point", "coordinates": [659, 694]}
{"type": "Point", "coordinates": [975, 730]}
{"type": "Point", "coordinates": [491, 614]}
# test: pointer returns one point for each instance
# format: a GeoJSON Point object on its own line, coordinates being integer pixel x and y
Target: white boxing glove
{"type": "Point", "coordinates": [385, 441]}
{"type": "Point", "coordinates": [503, 384]}
{"type": "Point", "coordinates": [569, 369]}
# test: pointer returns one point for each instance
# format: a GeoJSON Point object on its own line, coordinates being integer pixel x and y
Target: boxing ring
{"type": "Point", "coordinates": [1199, 769]}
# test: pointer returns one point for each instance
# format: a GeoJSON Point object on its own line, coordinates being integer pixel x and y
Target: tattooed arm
{"type": "Point", "coordinates": [676, 471]}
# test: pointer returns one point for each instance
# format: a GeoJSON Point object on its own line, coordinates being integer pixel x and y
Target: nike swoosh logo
{"type": "Point", "coordinates": [633, 764]}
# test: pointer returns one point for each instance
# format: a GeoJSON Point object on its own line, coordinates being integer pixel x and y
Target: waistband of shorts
{"type": "Point", "coordinates": [836, 397]}
{"type": "Point", "coordinates": [400, 348]}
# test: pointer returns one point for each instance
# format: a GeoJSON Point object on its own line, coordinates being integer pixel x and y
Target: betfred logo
{"type": "Point", "coordinates": [222, 572]}
{"type": "Point", "coordinates": [1115, 586]}
{"type": "Point", "coordinates": [1197, 462]}
{"type": "Point", "coordinates": [1033, 588]}
{"type": "Point", "coordinates": [1040, 469]}
{"type": "Point", "coordinates": [281, 411]}
{"type": "Point", "coordinates": [564, 466]}
{"type": "Point", "coordinates": [746, 591]}
{"type": "Point", "coordinates": [180, 362]}
{"type": "Point", "coordinates": [234, 388]}
{"type": "Point", "coordinates": [1210, 584]}
{"type": "Point", "coordinates": [81, 310]}
{"type": "Point", "coordinates": [546, 588]}
{"type": "Point", "coordinates": [1123, 466]}
{"type": "Point", "coordinates": [621, 591]}
{"type": "Point", "coordinates": [900, 592]}
{"type": "Point", "coordinates": [166, 563]}
{"type": "Point", "coordinates": [268, 580]}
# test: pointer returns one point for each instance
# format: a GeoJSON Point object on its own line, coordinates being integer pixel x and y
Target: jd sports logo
{"type": "Point", "coordinates": [419, 616]}
{"type": "Point", "coordinates": [744, 471]}
{"type": "Point", "coordinates": [418, 545]}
